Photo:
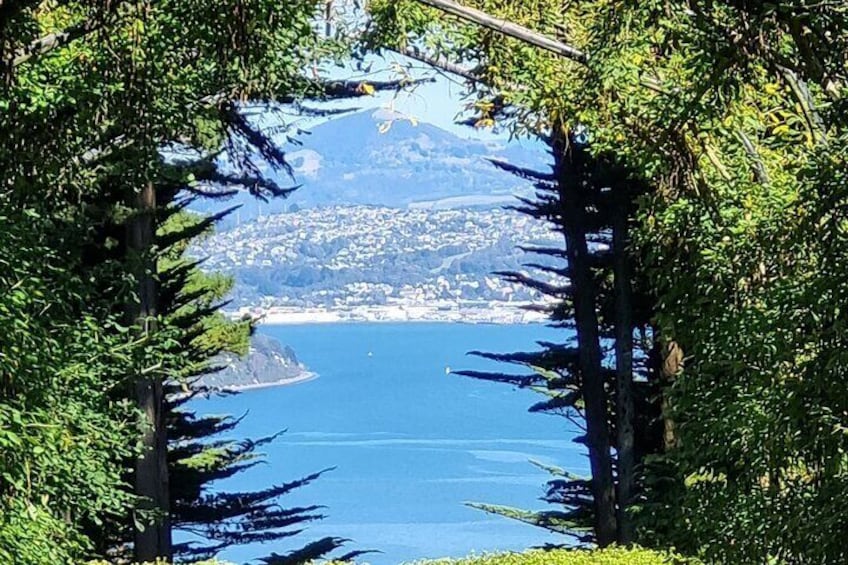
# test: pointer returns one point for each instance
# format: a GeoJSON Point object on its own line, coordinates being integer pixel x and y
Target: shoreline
{"type": "Point", "coordinates": [395, 313]}
{"type": "Point", "coordinates": [306, 377]}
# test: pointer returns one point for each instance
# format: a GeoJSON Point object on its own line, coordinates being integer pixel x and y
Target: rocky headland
{"type": "Point", "coordinates": [268, 363]}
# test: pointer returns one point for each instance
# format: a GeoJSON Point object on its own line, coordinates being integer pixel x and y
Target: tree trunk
{"type": "Point", "coordinates": [151, 541]}
{"type": "Point", "coordinates": [672, 362]}
{"type": "Point", "coordinates": [570, 166]}
{"type": "Point", "coordinates": [623, 361]}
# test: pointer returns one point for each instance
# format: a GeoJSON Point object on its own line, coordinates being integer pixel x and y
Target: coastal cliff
{"type": "Point", "coordinates": [268, 363]}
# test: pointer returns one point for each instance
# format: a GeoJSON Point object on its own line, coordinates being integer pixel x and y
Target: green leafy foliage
{"type": "Point", "coordinates": [609, 556]}
{"type": "Point", "coordinates": [62, 436]}
{"type": "Point", "coordinates": [100, 101]}
{"type": "Point", "coordinates": [734, 114]}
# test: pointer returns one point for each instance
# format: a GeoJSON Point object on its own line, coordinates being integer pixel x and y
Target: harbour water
{"type": "Point", "coordinates": [409, 442]}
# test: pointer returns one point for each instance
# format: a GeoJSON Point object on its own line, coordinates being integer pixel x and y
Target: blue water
{"type": "Point", "coordinates": [409, 443]}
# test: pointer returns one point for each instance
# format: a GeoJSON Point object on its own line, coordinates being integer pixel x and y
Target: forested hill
{"type": "Point", "coordinates": [353, 160]}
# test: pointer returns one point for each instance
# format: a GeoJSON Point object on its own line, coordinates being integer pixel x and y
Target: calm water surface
{"type": "Point", "coordinates": [410, 444]}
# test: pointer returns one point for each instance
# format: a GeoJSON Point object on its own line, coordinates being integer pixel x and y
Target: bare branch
{"type": "Point", "coordinates": [508, 28]}
{"type": "Point", "coordinates": [53, 40]}
{"type": "Point", "coordinates": [439, 63]}
{"type": "Point", "coordinates": [754, 155]}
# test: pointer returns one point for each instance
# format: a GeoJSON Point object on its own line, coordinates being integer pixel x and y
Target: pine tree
{"type": "Point", "coordinates": [93, 94]}
{"type": "Point", "coordinates": [197, 457]}
{"type": "Point", "coordinates": [601, 193]}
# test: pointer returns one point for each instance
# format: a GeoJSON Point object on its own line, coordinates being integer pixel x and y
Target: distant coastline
{"type": "Point", "coordinates": [267, 363]}
{"type": "Point", "coordinates": [490, 313]}
{"type": "Point", "coordinates": [305, 377]}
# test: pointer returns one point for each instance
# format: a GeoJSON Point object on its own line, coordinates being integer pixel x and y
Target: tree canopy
{"type": "Point", "coordinates": [109, 112]}
{"type": "Point", "coordinates": [734, 114]}
{"type": "Point", "coordinates": [722, 123]}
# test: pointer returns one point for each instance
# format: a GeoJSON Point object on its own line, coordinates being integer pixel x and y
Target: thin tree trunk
{"type": "Point", "coordinates": [569, 165]}
{"type": "Point", "coordinates": [623, 362]}
{"type": "Point", "coordinates": [672, 362]}
{"type": "Point", "coordinates": [151, 541]}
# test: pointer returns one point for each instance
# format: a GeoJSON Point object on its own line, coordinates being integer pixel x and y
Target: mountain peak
{"type": "Point", "coordinates": [352, 160]}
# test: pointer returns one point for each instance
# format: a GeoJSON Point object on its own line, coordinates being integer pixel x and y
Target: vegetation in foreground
{"type": "Point", "coordinates": [607, 556]}
{"type": "Point", "coordinates": [707, 139]}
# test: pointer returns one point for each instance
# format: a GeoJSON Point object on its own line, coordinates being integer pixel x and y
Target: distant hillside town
{"type": "Point", "coordinates": [408, 224]}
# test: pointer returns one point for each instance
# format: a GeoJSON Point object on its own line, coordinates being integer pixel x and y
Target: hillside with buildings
{"type": "Point", "coordinates": [355, 258]}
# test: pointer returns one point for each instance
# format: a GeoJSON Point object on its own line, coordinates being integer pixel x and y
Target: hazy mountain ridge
{"type": "Point", "coordinates": [391, 213]}
{"type": "Point", "coordinates": [348, 161]}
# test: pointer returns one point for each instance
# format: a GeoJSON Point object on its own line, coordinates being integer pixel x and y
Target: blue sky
{"type": "Point", "coordinates": [438, 103]}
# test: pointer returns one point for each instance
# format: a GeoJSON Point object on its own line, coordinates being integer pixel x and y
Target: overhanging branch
{"type": "Point", "coordinates": [508, 28]}
{"type": "Point", "coordinates": [439, 63]}
{"type": "Point", "coordinates": [53, 40]}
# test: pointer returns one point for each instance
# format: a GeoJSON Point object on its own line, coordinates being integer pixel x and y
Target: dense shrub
{"type": "Point", "coordinates": [609, 556]}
